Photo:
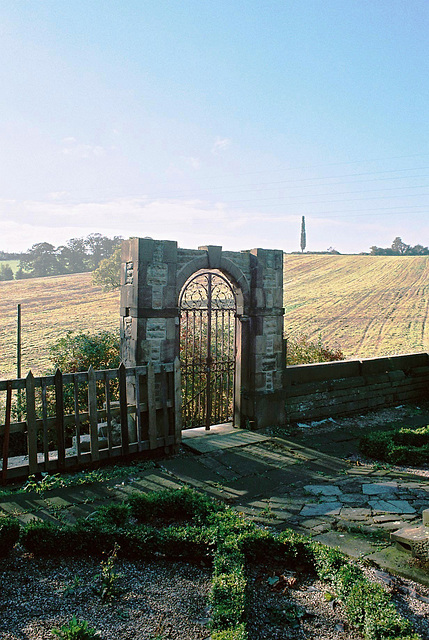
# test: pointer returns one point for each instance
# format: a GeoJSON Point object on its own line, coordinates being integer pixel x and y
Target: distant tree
{"type": "Point", "coordinates": [6, 272]}
{"type": "Point", "coordinates": [108, 273]}
{"type": "Point", "coordinates": [303, 235]}
{"type": "Point", "coordinates": [40, 260]}
{"type": "Point", "coordinates": [100, 247]}
{"type": "Point", "coordinates": [73, 256]}
{"type": "Point", "coordinates": [399, 247]}
{"type": "Point", "coordinates": [20, 274]}
{"type": "Point", "coordinates": [419, 250]}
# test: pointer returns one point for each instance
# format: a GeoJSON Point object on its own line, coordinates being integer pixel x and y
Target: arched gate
{"type": "Point", "coordinates": [207, 349]}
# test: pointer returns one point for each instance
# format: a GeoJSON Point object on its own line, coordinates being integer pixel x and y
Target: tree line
{"type": "Point", "coordinates": [399, 248]}
{"type": "Point", "coordinates": [76, 256]}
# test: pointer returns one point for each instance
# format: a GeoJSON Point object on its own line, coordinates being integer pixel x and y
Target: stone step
{"type": "Point", "coordinates": [413, 540]}
{"type": "Point", "coordinates": [426, 517]}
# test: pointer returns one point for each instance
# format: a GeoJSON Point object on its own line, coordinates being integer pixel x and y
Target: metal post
{"type": "Point", "coordinates": [18, 343]}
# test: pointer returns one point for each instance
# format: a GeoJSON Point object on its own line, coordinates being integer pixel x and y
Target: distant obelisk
{"type": "Point", "coordinates": [303, 235]}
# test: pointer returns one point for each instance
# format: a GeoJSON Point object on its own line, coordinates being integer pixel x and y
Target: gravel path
{"type": "Point", "coordinates": [166, 600]}
{"type": "Point", "coordinates": [158, 600]}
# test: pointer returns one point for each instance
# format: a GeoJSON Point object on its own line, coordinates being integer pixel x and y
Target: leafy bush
{"type": "Point", "coordinates": [227, 597]}
{"type": "Point", "coordinates": [79, 351]}
{"type": "Point", "coordinates": [236, 633]}
{"type": "Point", "coordinates": [370, 611]}
{"type": "Point", "coordinates": [398, 446]}
{"type": "Point", "coordinates": [172, 505]}
{"type": "Point", "coordinates": [302, 350]}
{"type": "Point", "coordinates": [9, 534]}
{"type": "Point", "coordinates": [289, 547]}
{"type": "Point", "coordinates": [116, 514]}
{"type": "Point", "coordinates": [82, 538]}
{"type": "Point", "coordinates": [76, 630]}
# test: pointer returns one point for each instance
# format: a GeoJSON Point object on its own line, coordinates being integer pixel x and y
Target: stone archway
{"type": "Point", "coordinates": [152, 278]}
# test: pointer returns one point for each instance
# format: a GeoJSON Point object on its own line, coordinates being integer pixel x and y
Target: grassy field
{"type": "Point", "coordinates": [369, 306]}
{"type": "Point", "coordinates": [50, 307]}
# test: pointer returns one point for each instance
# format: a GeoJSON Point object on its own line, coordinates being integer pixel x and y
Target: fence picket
{"type": "Point", "coordinates": [93, 416]}
{"type": "Point", "coordinates": [31, 423]}
{"type": "Point", "coordinates": [77, 416]}
{"type": "Point", "coordinates": [45, 425]}
{"type": "Point", "coordinates": [122, 375]}
{"type": "Point", "coordinates": [108, 413]}
{"type": "Point", "coordinates": [59, 419]}
{"type": "Point", "coordinates": [6, 431]}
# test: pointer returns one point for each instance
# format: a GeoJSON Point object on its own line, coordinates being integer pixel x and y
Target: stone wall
{"type": "Point", "coordinates": [316, 391]}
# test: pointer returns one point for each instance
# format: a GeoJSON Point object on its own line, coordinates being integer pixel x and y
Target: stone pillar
{"type": "Point", "coordinates": [265, 337]}
{"type": "Point", "coordinates": [149, 313]}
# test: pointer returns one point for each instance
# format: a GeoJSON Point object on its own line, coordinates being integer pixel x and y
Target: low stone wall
{"type": "Point", "coordinates": [315, 391]}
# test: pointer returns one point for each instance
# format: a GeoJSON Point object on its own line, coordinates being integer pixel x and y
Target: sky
{"type": "Point", "coordinates": [215, 122]}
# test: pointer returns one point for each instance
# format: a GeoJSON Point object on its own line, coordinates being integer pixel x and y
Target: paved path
{"type": "Point", "coordinates": [276, 482]}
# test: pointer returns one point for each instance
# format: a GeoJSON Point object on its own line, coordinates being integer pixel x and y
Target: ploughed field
{"type": "Point", "coordinates": [367, 305]}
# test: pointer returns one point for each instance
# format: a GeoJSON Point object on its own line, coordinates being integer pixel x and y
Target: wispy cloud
{"type": "Point", "coordinates": [220, 144]}
{"type": "Point", "coordinates": [71, 147]}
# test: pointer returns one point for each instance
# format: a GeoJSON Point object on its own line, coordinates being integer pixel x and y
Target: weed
{"type": "Point", "coordinates": [74, 586]}
{"type": "Point", "coordinates": [76, 630]}
{"type": "Point", "coordinates": [106, 582]}
{"type": "Point", "coordinates": [44, 484]}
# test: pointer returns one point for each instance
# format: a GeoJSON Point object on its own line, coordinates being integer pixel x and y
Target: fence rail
{"type": "Point", "coordinates": [68, 421]}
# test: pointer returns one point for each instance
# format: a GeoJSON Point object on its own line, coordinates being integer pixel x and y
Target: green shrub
{"type": "Point", "coordinates": [328, 561]}
{"type": "Point", "coordinates": [237, 633]}
{"type": "Point", "coordinates": [302, 350]}
{"type": "Point", "coordinates": [76, 630]}
{"type": "Point", "coordinates": [259, 544]}
{"type": "Point", "coordinates": [83, 538]}
{"type": "Point", "coordinates": [370, 611]}
{"type": "Point", "coordinates": [208, 530]}
{"type": "Point", "coordinates": [9, 534]}
{"type": "Point", "coordinates": [398, 446]}
{"type": "Point", "coordinates": [172, 505]}
{"type": "Point", "coordinates": [116, 514]}
{"type": "Point", "coordinates": [78, 351]}
{"type": "Point", "coordinates": [228, 598]}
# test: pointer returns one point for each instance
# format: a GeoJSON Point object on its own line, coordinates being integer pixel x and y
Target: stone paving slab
{"type": "Point", "coordinates": [211, 442]}
{"type": "Point", "coordinates": [392, 506]}
{"type": "Point", "coordinates": [323, 489]}
{"type": "Point", "coordinates": [379, 488]}
{"type": "Point", "coordinates": [321, 509]}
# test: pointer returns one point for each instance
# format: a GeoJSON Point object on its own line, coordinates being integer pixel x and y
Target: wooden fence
{"type": "Point", "coordinates": [73, 420]}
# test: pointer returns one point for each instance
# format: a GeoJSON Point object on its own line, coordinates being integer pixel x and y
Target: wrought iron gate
{"type": "Point", "coordinates": [207, 350]}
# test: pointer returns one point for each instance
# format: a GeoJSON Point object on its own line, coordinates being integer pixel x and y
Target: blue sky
{"type": "Point", "coordinates": [215, 122]}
